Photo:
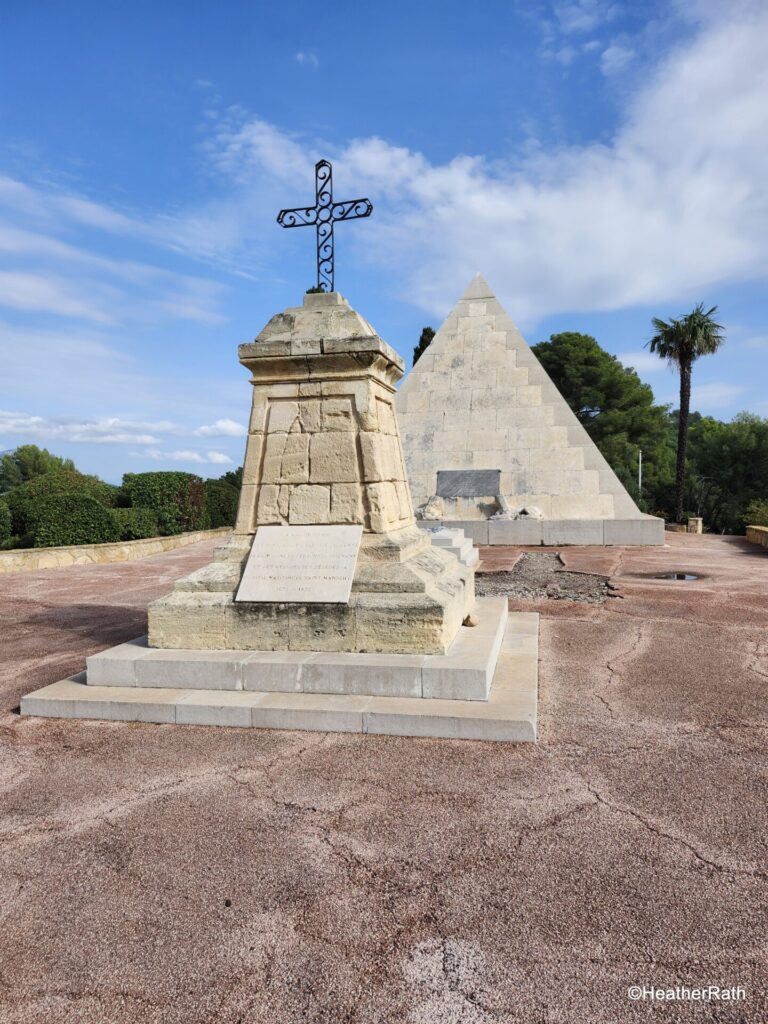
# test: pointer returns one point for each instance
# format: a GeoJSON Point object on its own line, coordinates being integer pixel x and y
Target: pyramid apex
{"type": "Point", "coordinates": [478, 288]}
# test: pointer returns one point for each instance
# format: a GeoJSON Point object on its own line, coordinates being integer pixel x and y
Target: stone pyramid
{"type": "Point", "coordinates": [479, 400]}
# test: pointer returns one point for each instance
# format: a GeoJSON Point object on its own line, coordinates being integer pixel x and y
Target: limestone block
{"type": "Point", "coordinates": [490, 458]}
{"type": "Point", "coordinates": [404, 502]}
{"type": "Point", "coordinates": [309, 503]}
{"type": "Point", "coordinates": [386, 420]}
{"type": "Point", "coordinates": [246, 509]}
{"type": "Point", "coordinates": [259, 410]}
{"type": "Point", "coordinates": [517, 531]}
{"type": "Point", "coordinates": [310, 416]}
{"type": "Point", "coordinates": [279, 672]}
{"type": "Point", "coordinates": [407, 623]}
{"type": "Point", "coordinates": [521, 499]}
{"type": "Point", "coordinates": [511, 376]}
{"type": "Point", "coordinates": [414, 401]}
{"type": "Point", "coordinates": [322, 627]}
{"type": "Point", "coordinates": [529, 395]}
{"type": "Point", "coordinates": [482, 440]}
{"type": "Point", "coordinates": [581, 506]}
{"type": "Point", "coordinates": [195, 621]}
{"type": "Point", "coordinates": [282, 415]}
{"type": "Point", "coordinates": [480, 419]}
{"type": "Point", "coordinates": [567, 481]}
{"type": "Point", "coordinates": [337, 414]}
{"type": "Point", "coordinates": [268, 510]}
{"type": "Point", "coordinates": [547, 438]}
{"type": "Point", "coordinates": [252, 462]}
{"type": "Point", "coordinates": [333, 458]}
{"type": "Point", "coordinates": [310, 389]}
{"type": "Point", "coordinates": [644, 530]}
{"type": "Point", "coordinates": [347, 503]}
{"type": "Point", "coordinates": [257, 627]}
{"type": "Point", "coordinates": [452, 440]}
{"type": "Point", "coordinates": [376, 450]}
{"type": "Point", "coordinates": [383, 505]}
{"type": "Point", "coordinates": [461, 395]}
{"type": "Point", "coordinates": [573, 531]}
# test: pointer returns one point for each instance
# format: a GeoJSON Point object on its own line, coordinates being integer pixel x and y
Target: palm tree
{"type": "Point", "coordinates": [681, 342]}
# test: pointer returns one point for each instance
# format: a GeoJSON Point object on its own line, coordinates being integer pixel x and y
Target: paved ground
{"type": "Point", "coordinates": [185, 875]}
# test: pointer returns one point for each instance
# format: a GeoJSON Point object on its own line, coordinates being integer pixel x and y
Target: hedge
{"type": "Point", "coordinates": [24, 500]}
{"type": "Point", "coordinates": [221, 501]}
{"type": "Point", "coordinates": [135, 523]}
{"type": "Point", "coordinates": [74, 518]}
{"type": "Point", "coordinates": [5, 523]}
{"type": "Point", "coordinates": [757, 513]}
{"type": "Point", "coordinates": [177, 499]}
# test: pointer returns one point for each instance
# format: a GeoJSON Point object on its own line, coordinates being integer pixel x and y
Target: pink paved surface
{"type": "Point", "coordinates": [178, 874]}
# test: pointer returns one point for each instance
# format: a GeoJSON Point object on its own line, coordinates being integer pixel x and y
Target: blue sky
{"type": "Point", "coordinates": [599, 162]}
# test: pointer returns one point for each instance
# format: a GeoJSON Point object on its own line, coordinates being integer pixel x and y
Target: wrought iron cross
{"type": "Point", "coordinates": [323, 215]}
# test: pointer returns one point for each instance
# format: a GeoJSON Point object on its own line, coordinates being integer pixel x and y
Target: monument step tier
{"type": "Point", "coordinates": [464, 672]}
{"type": "Point", "coordinates": [506, 713]}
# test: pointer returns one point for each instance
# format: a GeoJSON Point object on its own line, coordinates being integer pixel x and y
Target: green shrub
{"type": "Point", "coordinates": [757, 513]}
{"type": "Point", "coordinates": [74, 518]}
{"type": "Point", "coordinates": [23, 501]}
{"type": "Point", "coordinates": [135, 523]}
{"type": "Point", "coordinates": [5, 523]}
{"type": "Point", "coordinates": [177, 499]}
{"type": "Point", "coordinates": [221, 503]}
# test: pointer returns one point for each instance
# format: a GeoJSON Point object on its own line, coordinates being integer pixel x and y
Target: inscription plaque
{"type": "Point", "coordinates": [304, 564]}
{"type": "Point", "coordinates": [468, 483]}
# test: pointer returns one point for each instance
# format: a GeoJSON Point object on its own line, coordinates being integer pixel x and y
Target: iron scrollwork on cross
{"type": "Point", "coordinates": [323, 215]}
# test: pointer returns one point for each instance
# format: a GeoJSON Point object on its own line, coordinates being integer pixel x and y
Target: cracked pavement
{"type": "Point", "coordinates": [183, 875]}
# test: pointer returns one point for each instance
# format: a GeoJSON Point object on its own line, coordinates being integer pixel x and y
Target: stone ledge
{"type": "Point", "coordinates": [464, 672]}
{"type": "Point", "coordinates": [510, 713]}
{"type": "Point", "coordinates": [758, 535]}
{"type": "Point", "coordinates": [645, 531]}
{"type": "Point", "coordinates": [29, 559]}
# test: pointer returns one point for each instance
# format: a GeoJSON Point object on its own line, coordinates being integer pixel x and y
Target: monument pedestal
{"type": "Point", "coordinates": [329, 608]}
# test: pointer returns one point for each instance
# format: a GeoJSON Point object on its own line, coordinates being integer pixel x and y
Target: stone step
{"type": "Point", "coordinates": [509, 713]}
{"type": "Point", "coordinates": [465, 672]}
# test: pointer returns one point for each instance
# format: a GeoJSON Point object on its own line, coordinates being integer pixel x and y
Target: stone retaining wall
{"type": "Point", "coordinates": [758, 535]}
{"type": "Point", "coordinates": [26, 559]}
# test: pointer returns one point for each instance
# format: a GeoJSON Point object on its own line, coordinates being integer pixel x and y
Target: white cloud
{"type": "Point", "coordinates": [186, 455]}
{"type": "Point", "coordinates": [759, 342]}
{"type": "Point", "coordinates": [670, 208]}
{"type": "Point", "coordinates": [108, 430]}
{"type": "Point", "coordinates": [48, 294]}
{"type": "Point", "coordinates": [221, 428]}
{"type": "Point", "coordinates": [584, 15]}
{"type": "Point", "coordinates": [615, 58]}
{"type": "Point", "coordinates": [643, 362]}
{"type": "Point", "coordinates": [308, 58]}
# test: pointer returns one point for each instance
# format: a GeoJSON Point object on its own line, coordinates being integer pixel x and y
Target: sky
{"type": "Point", "coordinates": [600, 162]}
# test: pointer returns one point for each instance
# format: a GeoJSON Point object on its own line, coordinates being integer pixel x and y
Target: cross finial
{"type": "Point", "coordinates": [323, 216]}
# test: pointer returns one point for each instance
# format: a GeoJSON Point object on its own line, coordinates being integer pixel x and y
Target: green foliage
{"type": "Point", "coordinates": [728, 469]}
{"type": "Point", "coordinates": [177, 499]}
{"type": "Point", "coordinates": [681, 342]}
{"type": "Point", "coordinates": [756, 514]}
{"type": "Point", "coordinates": [425, 340]}
{"type": "Point", "coordinates": [221, 503]}
{"type": "Point", "coordinates": [26, 462]}
{"type": "Point", "coordinates": [135, 523]}
{"type": "Point", "coordinates": [24, 500]}
{"type": "Point", "coordinates": [233, 477]}
{"type": "Point", "coordinates": [74, 518]}
{"type": "Point", "coordinates": [5, 523]}
{"type": "Point", "coordinates": [616, 409]}
{"type": "Point", "coordinates": [314, 290]}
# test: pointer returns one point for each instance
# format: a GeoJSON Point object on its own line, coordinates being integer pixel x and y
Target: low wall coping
{"type": "Point", "coordinates": [29, 559]}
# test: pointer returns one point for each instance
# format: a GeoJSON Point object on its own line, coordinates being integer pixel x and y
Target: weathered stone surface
{"type": "Point", "coordinates": [479, 399]}
{"type": "Point", "coordinates": [333, 458]}
{"type": "Point", "coordinates": [324, 449]}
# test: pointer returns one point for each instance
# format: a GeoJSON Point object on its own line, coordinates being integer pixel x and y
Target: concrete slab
{"type": "Point", "coordinates": [508, 714]}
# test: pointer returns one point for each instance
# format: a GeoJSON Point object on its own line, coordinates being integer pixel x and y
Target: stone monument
{"type": "Point", "coordinates": [328, 608]}
{"type": "Point", "coordinates": [323, 450]}
{"type": "Point", "coordinates": [493, 448]}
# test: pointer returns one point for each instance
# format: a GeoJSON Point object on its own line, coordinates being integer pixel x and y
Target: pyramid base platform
{"type": "Point", "coordinates": [509, 713]}
{"type": "Point", "coordinates": [643, 532]}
